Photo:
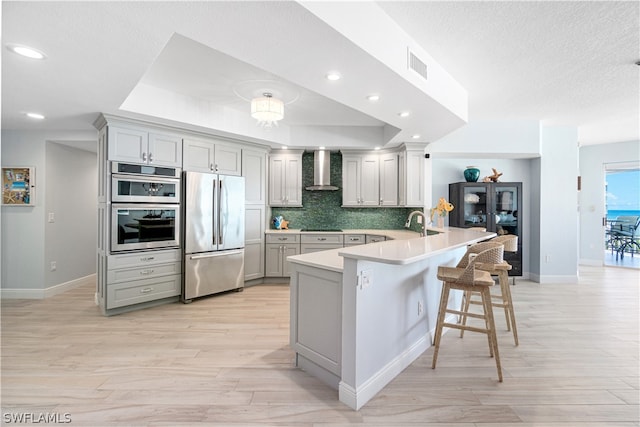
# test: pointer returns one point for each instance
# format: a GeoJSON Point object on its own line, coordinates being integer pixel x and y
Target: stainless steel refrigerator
{"type": "Point", "coordinates": [213, 234]}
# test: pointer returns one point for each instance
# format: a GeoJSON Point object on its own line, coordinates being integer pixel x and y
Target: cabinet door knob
{"type": "Point", "coordinates": [144, 157]}
{"type": "Point", "coordinates": [150, 157]}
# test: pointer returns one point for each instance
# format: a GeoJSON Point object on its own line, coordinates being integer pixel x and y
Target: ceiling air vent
{"type": "Point", "coordinates": [414, 63]}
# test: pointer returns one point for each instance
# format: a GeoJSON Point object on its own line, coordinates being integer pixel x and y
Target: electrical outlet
{"type": "Point", "coordinates": [366, 279]}
{"type": "Point", "coordinates": [547, 258]}
{"type": "Point", "coordinates": [420, 308]}
{"type": "Point", "coordinates": [52, 217]}
{"type": "Point", "coordinates": [53, 266]}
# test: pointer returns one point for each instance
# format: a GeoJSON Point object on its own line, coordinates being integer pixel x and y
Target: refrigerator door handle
{"type": "Point", "coordinates": [220, 228]}
{"type": "Point", "coordinates": [215, 254]}
{"type": "Point", "coordinates": [214, 217]}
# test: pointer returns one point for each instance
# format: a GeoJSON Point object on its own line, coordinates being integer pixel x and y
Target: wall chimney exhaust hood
{"type": "Point", "coordinates": [321, 172]}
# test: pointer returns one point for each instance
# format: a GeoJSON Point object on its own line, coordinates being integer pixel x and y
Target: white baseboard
{"type": "Point", "coordinates": [593, 262]}
{"type": "Point", "coordinates": [554, 279]}
{"type": "Point", "coordinates": [356, 398]}
{"type": "Point", "coordinates": [13, 293]}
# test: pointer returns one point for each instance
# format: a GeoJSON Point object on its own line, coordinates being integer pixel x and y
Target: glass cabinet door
{"type": "Point", "coordinates": [506, 210]}
{"type": "Point", "coordinates": [474, 201]}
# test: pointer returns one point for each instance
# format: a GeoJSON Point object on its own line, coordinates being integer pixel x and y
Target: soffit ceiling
{"type": "Point", "coordinates": [565, 63]}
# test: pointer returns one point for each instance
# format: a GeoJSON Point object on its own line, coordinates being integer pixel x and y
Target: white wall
{"type": "Point", "coordinates": [592, 195]}
{"type": "Point", "coordinates": [548, 171]}
{"type": "Point", "coordinates": [71, 196]}
{"type": "Point", "coordinates": [491, 139]}
{"type": "Point", "coordinates": [24, 228]}
{"type": "Point", "coordinates": [558, 254]}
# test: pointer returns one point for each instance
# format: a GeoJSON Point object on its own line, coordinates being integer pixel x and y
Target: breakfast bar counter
{"type": "Point", "coordinates": [360, 315]}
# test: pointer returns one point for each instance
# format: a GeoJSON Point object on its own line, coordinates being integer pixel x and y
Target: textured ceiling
{"type": "Point", "coordinates": [563, 63]}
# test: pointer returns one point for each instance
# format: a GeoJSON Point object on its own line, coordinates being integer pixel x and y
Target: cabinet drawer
{"type": "Point", "coordinates": [143, 272]}
{"type": "Point", "coordinates": [139, 291]}
{"type": "Point", "coordinates": [333, 239]}
{"type": "Point", "coordinates": [282, 238]}
{"type": "Point", "coordinates": [307, 248]}
{"type": "Point", "coordinates": [140, 259]}
{"type": "Point", "coordinates": [354, 239]}
{"type": "Point", "coordinates": [372, 238]}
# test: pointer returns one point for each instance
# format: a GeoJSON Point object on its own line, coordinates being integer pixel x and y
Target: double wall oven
{"type": "Point", "coordinates": [145, 207]}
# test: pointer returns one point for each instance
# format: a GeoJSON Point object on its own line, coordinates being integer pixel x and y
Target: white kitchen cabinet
{"type": "Point", "coordinates": [314, 242]}
{"type": "Point", "coordinates": [397, 177]}
{"type": "Point", "coordinates": [211, 155]}
{"type": "Point", "coordinates": [374, 238]}
{"type": "Point", "coordinates": [278, 248]}
{"type": "Point", "coordinates": [414, 177]}
{"type": "Point", "coordinates": [360, 180]}
{"type": "Point", "coordinates": [388, 179]}
{"type": "Point", "coordinates": [285, 178]}
{"type": "Point", "coordinates": [254, 228]}
{"type": "Point", "coordinates": [354, 239]}
{"type": "Point", "coordinates": [254, 170]}
{"type": "Point", "coordinates": [142, 277]}
{"type": "Point", "coordinates": [138, 145]}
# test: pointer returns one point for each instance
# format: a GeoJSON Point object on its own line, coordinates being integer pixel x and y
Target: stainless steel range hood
{"type": "Point", "coordinates": [321, 172]}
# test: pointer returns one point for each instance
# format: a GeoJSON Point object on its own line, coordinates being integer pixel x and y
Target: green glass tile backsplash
{"type": "Point", "coordinates": [322, 209]}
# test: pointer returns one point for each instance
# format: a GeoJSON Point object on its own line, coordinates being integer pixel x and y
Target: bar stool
{"type": "Point", "coordinates": [501, 270]}
{"type": "Point", "coordinates": [470, 279]}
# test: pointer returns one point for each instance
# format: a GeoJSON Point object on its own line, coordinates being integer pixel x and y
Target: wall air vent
{"type": "Point", "coordinates": [414, 63]}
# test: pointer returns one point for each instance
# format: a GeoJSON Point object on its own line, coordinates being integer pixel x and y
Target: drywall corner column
{"type": "Point", "coordinates": [558, 256]}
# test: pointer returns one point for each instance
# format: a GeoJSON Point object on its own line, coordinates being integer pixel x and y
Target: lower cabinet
{"type": "Point", "coordinates": [373, 238]}
{"type": "Point", "coordinates": [354, 239]}
{"type": "Point", "coordinates": [142, 277]}
{"type": "Point", "coordinates": [277, 249]}
{"type": "Point", "coordinates": [320, 242]}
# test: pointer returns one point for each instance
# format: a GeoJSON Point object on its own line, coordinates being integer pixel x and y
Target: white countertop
{"type": "Point", "coordinates": [405, 248]}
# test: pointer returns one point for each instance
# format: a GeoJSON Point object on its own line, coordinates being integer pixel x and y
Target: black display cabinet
{"type": "Point", "coordinates": [495, 206]}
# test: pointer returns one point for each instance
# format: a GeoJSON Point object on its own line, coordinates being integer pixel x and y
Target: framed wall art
{"type": "Point", "coordinates": [18, 186]}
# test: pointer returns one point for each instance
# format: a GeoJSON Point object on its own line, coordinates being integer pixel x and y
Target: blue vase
{"type": "Point", "coordinates": [471, 174]}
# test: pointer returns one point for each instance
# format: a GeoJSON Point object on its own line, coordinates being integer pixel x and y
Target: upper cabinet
{"type": "Point", "coordinates": [141, 146]}
{"type": "Point", "coordinates": [285, 178]}
{"type": "Point", "coordinates": [414, 175]}
{"type": "Point", "coordinates": [210, 155]}
{"type": "Point", "coordinates": [388, 179]}
{"type": "Point", "coordinates": [360, 180]}
{"type": "Point", "coordinates": [395, 177]}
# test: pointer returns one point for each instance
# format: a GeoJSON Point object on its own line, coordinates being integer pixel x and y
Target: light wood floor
{"type": "Point", "coordinates": [225, 361]}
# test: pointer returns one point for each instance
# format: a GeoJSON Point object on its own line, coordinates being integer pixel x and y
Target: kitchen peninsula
{"type": "Point", "coordinates": [362, 314]}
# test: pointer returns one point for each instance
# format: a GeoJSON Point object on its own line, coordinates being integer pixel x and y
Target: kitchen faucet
{"type": "Point", "coordinates": [424, 221]}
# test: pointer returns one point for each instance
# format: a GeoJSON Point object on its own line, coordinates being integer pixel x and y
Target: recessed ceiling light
{"type": "Point", "coordinates": [26, 51]}
{"type": "Point", "coordinates": [320, 148]}
{"type": "Point", "coordinates": [284, 147]}
{"type": "Point", "coordinates": [373, 98]}
{"type": "Point", "coordinates": [333, 76]}
{"type": "Point", "coordinates": [37, 116]}
{"type": "Point", "coordinates": [376, 148]}
{"type": "Point", "coordinates": [416, 136]}
{"type": "Point", "coordinates": [404, 114]}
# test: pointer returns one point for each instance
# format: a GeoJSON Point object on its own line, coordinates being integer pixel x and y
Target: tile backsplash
{"type": "Point", "coordinates": [322, 209]}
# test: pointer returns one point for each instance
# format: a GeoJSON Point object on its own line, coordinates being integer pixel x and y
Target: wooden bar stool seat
{"type": "Point", "coordinates": [470, 279]}
{"type": "Point", "coordinates": [501, 271]}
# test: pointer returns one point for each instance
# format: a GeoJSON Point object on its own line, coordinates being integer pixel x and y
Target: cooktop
{"type": "Point", "coordinates": [334, 230]}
